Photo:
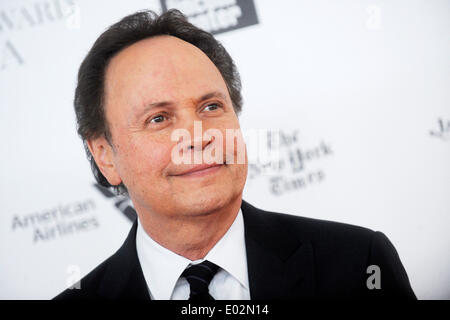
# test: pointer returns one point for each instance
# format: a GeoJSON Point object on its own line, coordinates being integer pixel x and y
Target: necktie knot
{"type": "Point", "coordinates": [199, 277]}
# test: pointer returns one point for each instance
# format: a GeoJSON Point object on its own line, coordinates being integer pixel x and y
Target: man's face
{"type": "Point", "coordinates": [152, 88]}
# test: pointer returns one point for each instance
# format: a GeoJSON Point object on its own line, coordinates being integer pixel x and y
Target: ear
{"type": "Point", "coordinates": [103, 154]}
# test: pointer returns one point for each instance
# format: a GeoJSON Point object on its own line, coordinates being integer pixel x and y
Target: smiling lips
{"type": "Point", "coordinates": [200, 169]}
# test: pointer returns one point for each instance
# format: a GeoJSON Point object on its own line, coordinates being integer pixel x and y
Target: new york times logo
{"type": "Point", "coordinates": [295, 167]}
{"type": "Point", "coordinates": [215, 16]}
{"type": "Point", "coordinates": [59, 221]}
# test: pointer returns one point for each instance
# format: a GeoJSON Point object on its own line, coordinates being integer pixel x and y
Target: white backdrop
{"type": "Point", "coordinates": [359, 91]}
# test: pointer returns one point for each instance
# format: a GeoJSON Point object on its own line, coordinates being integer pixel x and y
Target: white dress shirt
{"type": "Point", "coordinates": [162, 268]}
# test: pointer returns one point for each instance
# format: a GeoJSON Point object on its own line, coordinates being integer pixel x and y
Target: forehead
{"type": "Point", "coordinates": [160, 68]}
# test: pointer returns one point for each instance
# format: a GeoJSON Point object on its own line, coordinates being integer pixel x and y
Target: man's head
{"type": "Point", "coordinates": [145, 77]}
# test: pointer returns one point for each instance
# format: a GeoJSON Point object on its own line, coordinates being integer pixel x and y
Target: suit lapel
{"type": "Point", "coordinates": [280, 265]}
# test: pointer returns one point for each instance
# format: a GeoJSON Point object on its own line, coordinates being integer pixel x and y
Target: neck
{"type": "Point", "coordinates": [190, 236]}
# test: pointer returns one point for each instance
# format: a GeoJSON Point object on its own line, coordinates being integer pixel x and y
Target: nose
{"type": "Point", "coordinates": [198, 143]}
{"type": "Point", "coordinates": [196, 140]}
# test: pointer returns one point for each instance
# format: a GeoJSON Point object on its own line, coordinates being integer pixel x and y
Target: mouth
{"type": "Point", "coordinates": [201, 170]}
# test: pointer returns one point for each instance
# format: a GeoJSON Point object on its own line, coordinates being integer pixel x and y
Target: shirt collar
{"type": "Point", "coordinates": [229, 252]}
{"type": "Point", "coordinates": [162, 267]}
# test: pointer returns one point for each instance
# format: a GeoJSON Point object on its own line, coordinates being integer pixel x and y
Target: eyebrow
{"type": "Point", "coordinates": [159, 104]}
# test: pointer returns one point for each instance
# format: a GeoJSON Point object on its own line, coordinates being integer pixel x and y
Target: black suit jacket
{"type": "Point", "coordinates": [288, 257]}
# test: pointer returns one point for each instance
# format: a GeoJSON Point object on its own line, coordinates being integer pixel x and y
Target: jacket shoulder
{"type": "Point", "coordinates": [320, 231]}
{"type": "Point", "coordinates": [118, 277]}
{"type": "Point", "coordinates": [88, 285]}
{"type": "Point", "coordinates": [343, 254]}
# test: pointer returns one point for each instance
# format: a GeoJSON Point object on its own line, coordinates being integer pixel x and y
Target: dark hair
{"type": "Point", "coordinates": [89, 93]}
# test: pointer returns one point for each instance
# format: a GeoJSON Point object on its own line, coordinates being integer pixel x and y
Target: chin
{"type": "Point", "coordinates": [203, 204]}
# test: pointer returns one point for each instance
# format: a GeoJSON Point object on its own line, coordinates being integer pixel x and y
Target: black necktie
{"type": "Point", "coordinates": [199, 276]}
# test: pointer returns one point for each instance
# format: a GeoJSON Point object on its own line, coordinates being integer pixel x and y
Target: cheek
{"type": "Point", "coordinates": [146, 158]}
{"type": "Point", "coordinates": [234, 146]}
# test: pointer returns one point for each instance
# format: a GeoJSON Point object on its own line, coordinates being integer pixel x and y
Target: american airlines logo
{"type": "Point", "coordinates": [59, 221]}
{"type": "Point", "coordinates": [215, 16]}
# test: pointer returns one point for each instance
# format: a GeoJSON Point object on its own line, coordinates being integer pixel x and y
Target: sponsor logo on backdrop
{"type": "Point", "coordinates": [28, 16]}
{"type": "Point", "coordinates": [59, 221]}
{"type": "Point", "coordinates": [296, 166]}
{"type": "Point", "coordinates": [442, 129]}
{"type": "Point", "coordinates": [216, 16]}
{"type": "Point", "coordinates": [122, 203]}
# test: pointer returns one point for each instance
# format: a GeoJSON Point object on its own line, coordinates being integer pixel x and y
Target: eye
{"type": "Point", "coordinates": [159, 118]}
{"type": "Point", "coordinates": [214, 106]}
